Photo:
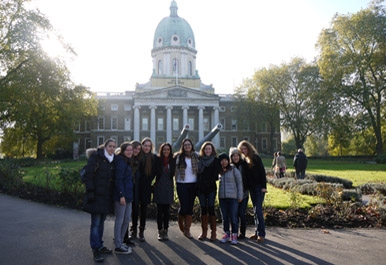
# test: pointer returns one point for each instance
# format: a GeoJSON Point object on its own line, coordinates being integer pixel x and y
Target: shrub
{"type": "Point", "coordinates": [352, 195]}
{"type": "Point", "coordinates": [381, 159]}
{"type": "Point", "coordinates": [10, 174]}
{"type": "Point", "coordinates": [371, 188]}
{"type": "Point", "coordinates": [321, 178]}
{"type": "Point", "coordinates": [69, 180]}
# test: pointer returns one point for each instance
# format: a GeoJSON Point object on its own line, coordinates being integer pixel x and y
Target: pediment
{"type": "Point", "coordinates": [176, 92]}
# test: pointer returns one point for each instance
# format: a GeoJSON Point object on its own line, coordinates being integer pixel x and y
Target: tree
{"type": "Point", "coordinates": [352, 63]}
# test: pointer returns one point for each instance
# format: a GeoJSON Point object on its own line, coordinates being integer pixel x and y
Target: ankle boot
{"type": "Point", "coordinates": [160, 234]}
{"type": "Point", "coordinates": [188, 223]}
{"type": "Point", "coordinates": [213, 224]}
{"type": "Point", "coordinates": [141, 235]}
{"type": "Point", "coordinates": [181, 223]}
{"type": "Point", "coordinates": [204, 227]}
{"type": "Point", "coordinates": [165, 237]}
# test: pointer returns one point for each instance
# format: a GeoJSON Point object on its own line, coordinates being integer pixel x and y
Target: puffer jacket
{"type": "Point", "coordinates": [231, 184]}
{"type": "Point", "coordinates": [99, 184]}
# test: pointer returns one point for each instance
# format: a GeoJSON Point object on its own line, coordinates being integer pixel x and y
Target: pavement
{"type": "Point", "coordinates": [34, 233]}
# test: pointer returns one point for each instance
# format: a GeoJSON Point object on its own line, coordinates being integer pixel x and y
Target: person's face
{"type": "Point", "coordinates": [244, 150]}
{"type": "Point", "coordinates": [110, 148]}
{"type": "Point", "coordinates": [137, 150]}
{"type": "Point", "coordinates": [128, 151]}
{"type": "Point", "coordinates": [235, 158]}
{"type": "Point", "coordinates": [146, 147]}
{"type": "Point", "coordinates": [224, 163]}
{"type": "Point", "coordinates": [208, 150]}
{"type": "Point", "coordinates": [187, 147]}
{"type": "Point", "coordinates": [166, 151]}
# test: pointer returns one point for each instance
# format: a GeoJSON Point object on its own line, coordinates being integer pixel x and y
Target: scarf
{"type": "Point", "coordinates": [166, 164]}
{"type": "Point", "coordinates": [182, 166]}
{"type": "Point", "coordinates": [109, 157]}
{"type": "Point", "coordinates": [204, 162]}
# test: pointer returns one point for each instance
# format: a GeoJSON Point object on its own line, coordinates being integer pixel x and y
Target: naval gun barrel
{"type": "Point", "coordinates": [209, 136]}
{"type": "Point", "coordinates": [182, 136]}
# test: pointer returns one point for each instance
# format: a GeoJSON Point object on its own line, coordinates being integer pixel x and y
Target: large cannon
{"type": "Point", "coordinates": [208, 137]}
{"type": "Point", "coordinates": [182, 136]}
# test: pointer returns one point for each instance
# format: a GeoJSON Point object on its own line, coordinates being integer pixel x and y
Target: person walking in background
{"type": "Point", "coordinates": [274, 169]}
{"type": "Point", "coordinates": [99, 182]}
{"type": "Point", "coordinates": [187, 161]}
{"type": "Point", "coordinates": [241, 165]}
{"type": "Point", "coordinates": [123, 197]}
{"type": "Point", "coordinates": [147, 173]}
{"type": "Point", "coordinates": [280, 164]}
{"type": "Point", "coordinates": [257, 184]}
{"type": "Point", "coordinates": [134, 163]}
{"type": "Point", "coordinates": [209, 168]}
{"type": "Point", "coordinates": [230, 194]}
{"type": "Point", "coordinates": [164, 189]}
{"type": "Point", "coordinates": [300, 164]}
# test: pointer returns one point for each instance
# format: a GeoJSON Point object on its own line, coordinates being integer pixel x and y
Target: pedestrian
{"type": "Point", "coordinates": [274, 169]}
{"type": "Point", "coordinates": [99, 182]}
{"type": "Point", "coordinates": [257, 184]}
{"type": "Point", "coordinates": [241, 165]}
{"type": "Point", "coordinates": [123, 197]}
{"type": "Point", "coordinates": [164, 189]}
{"type": "Point", "coordinates": [230, 194]}
{"type": "Point", "coordinates": [280, 164]}
{"type": "Point", "coordinates": [187, 161]}
{"type": "Point", "coordinates": [147, 173]}
{"type": "Point", "coordinates": [134, 163]}
{"type": "Point", "coordinates": [300, 164]}
{"type": "Point", "coordinates": [209, 168]}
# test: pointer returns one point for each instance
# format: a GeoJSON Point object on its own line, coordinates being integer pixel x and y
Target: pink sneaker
{"type": "Point", "coordinates": [225, 238]}
{"type": "Point", "coordinates": [234, 239]}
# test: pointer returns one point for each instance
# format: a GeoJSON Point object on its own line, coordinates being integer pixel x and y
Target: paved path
{"type": "Point", "coordinates": [33, 233]}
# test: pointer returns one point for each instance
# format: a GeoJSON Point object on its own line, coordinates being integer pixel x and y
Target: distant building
{"type": "Point", "coordinates": [173, 98]}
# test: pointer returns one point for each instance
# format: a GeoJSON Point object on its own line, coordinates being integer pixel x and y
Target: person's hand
{"type": "Point", "coordinates": [122, 201]}
{"type": "Point", "coordinates": [264, 190]}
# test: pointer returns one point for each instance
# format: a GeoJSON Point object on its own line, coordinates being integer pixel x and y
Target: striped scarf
{"type": "Point", "coordinates": [182, 166]}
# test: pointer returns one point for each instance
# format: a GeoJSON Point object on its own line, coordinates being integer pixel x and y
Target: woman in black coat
{"type": "Point", "coordinates": [98, 201]}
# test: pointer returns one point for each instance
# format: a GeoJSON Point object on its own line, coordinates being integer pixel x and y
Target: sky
{"type": "Point", "coordinates": [113, 38]}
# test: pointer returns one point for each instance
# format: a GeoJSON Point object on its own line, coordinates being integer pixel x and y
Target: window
{"type": "Point", "coordinates": [234, 125]}
{"type": "Point", "coordinates": [175, 66]}
{"type": "Point", "coordinates": [275, 144]}
{"type": "Point", "coordinates": [206, 124]}
{"type": "Point", "coordinates": [101, 123]}
{"type": "Point", "coordinates": [233, 109]}
{"type": "Point", "coordinates": [176, 126]}
{"type": "Point", "coordinates": [114, 107]}
{"type": "Point", "coordinates": [234, 141]}
{"type": "Point", "coordinates": [222, 142]}
{"type": "Point", "coordinates": [191, 124]}
{"type": "Point", "coordinates": [87, 126]}
{"type": "Point", "coordinates": [77, 127]}
{"type": "Point", "coordinates": [190, 68]}
{"type": "Point", "coordinates": [145, 124]}
{"type": "Point", "coordinates": [127, 124]}
{"type": "Point", "coordinates": [263, 127]}
{"type": "Point", "coordinates": [222, 121]}
{"type": "Point", "coordinates": [126, 138]}
{"type": "Point", "coordinates": [160, 124]}
{"type": "Point", "coordinates": [101, 140]}
{"type": "Point", "coordinates": [160, 67]}
{"type": "Point", "coordinates": [87, 143]}
{"type": "Point", "coordinates": [114, 123]}
{"type": "Point", "coordinates": [127, 107]}
{"type": "Point", "coordinates": [264, 144]}
{"type": "Point", "coordinates": [222, 109]}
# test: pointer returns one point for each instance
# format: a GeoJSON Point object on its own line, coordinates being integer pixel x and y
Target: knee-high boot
{"type": "Point", "coordinates": [181, 223]}
{"type": "Point", "coordinates": [213, 224]}
{"type": "Point", "coordinates": [188, 223]}
{"type": "Point", "coordinates": [204, 227]}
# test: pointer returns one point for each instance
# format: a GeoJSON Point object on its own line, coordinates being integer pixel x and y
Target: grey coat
{"type": "Point", "coordinates": [231, 184]}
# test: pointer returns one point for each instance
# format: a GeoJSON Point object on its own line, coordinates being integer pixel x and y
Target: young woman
{"type": "Point", "coordinates": [164, 189]}
{"type": "Point", "coordinates": [230, 193]}
{"type": "Point", "coordinates": [147, 173]}
{"type": "Point", "coordinates": [123, 196]}
{"type": "Point", "coordinates": [186, 178]}
{"type": "Point", "coordinates": [209, 168]}
{"type": "Point", "coordinates": [99, 194]}
{"type": "Point", "coordinates": [241, 165]}
{"type": "Point", "coordinates": [257, 184]}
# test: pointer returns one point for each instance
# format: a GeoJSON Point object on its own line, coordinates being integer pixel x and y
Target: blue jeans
{"type": "Point", "coordinates": [257, 197]}
{"type": "Point", "coordinates": [122, 220]}
{"type": "Point", "coordinates": [242, 215]}
{"type": "Point", "coordinates": [96, 230]}
{"type": "Point", "coordinates": [187, 193]}
{"type": "Point", "coordinates": [229, 211]}
{"type": "Point", "coordinates": [207, 203]}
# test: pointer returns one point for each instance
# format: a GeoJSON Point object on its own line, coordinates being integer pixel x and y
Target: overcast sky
{"type": "Point", "coordinates": [113, 39]}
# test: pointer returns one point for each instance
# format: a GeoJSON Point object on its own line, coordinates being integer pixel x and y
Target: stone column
{"type": "Point", "coordinates": [200, 122]}
{"type": "Point", "coordinates": [136, 122]}
{"type": "Point", "coordinates": [152, 123]}
{"type": "Point", "coordinates": [216, 139]}
{"type": "Point", "coordinates": [184, 115]}
{"type": "Point", "coordinates": [169, 124]}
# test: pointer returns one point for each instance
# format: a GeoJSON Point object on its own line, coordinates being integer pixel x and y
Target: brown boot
{"type": "Point", "coordinates": [213, 224]}
{"type": "Point", "coordinates": [188, 223]}
{"type": "Point", "coordinates": [204, 226]}
{"type": "Point", "coordinates": [181, 223]}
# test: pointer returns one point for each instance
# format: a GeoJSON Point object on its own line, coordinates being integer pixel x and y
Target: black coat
{"type": "Point", "coordinates": [256, 173]}
{"type": "Point", "coordinates": [206, 180]}
{"type": "Point", "coordinates": [99, 184]}
{"type": "Point", "coordinates": [145, 181]}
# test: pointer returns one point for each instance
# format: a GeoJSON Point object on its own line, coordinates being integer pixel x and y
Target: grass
{"type": "Point", "coordinates": [46, 175]}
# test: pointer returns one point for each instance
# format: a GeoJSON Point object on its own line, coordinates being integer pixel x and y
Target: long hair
{"type": "Point", "coordinates": [181, 152]}
{"type": "Point", "coordinates": [251, 151]}
{"type": "Point", "coordinates": [149, 156]}
{"type": "Point", "coordinates": [122, 149]}
{"type": "Point", "coordinates": [161, 148]}
{"type": "Point", "coordinates": [202, 153]}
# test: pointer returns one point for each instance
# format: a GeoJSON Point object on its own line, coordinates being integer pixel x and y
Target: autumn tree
{"type": "Point", "coordinates": [352, 63]}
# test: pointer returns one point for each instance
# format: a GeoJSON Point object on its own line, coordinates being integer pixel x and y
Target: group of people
{"type": "Point", "coordinates": [122, 181]}
{"type": "Point", "coordinates": [279, 166]}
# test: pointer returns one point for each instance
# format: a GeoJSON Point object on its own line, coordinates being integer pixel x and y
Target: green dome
{"type": "Point", "coordinates": [173, 31]}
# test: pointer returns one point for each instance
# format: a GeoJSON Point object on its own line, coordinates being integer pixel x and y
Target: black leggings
{"type": "Point", "coordinates": [163, 216]}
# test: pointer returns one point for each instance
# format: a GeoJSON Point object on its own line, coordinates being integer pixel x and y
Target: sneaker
{"type": "Point", "coordinates": [97, 255]}
{"type": "Point", "coordinates": [225, 238]}
{"type": "Point", "coordinates": [133, 234]}
{"type": "Point", "coordinates": [123, 250]}
{"type": "Point", "coordinates": [160, 235]}
{"type": "Point", "coordinates": [166, 234]}
{"type": "Point", "coordinates": [105, 250]}
{"type": "Point", "coordinates": [234, 239]}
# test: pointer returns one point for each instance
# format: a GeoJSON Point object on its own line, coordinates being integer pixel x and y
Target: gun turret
{"type": "Point", "coordinates": [209, 136]}
{"type": "Point", "coordinates": [182, 136]}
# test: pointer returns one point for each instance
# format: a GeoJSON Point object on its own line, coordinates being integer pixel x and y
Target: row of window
{"type": "Point", "coordinates": [127, 107]}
